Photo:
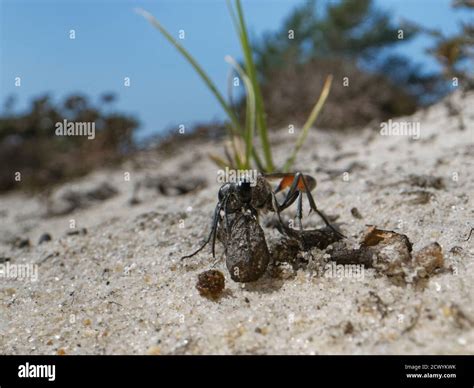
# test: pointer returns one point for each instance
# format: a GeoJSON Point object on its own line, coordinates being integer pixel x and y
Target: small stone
{"type": "Point", "coordinates": [89, 333]}
{"type": "Point", "coordinates": [211, 283]}
{"type": "Point", "coordinates": [355, 212]}
{"type": "Point", "coordinates": [283, 271]}
{"type": "Point", "coordinates": [61, 352]}
{"type": "Point", "coordinates": [75, 232]}
{"type": "Point", "coordinates": [429, 259]}
{"type": "Point", "coordinates": [348, 328]}
{"type": "Point", "coordinates": [284, 250]}
{"type": "Point", "coordinates": [154, 351]}
{"type": "Point", "coordinates": [10, 291]}
{"type": "Point", "coordinates": [419, 197]}
{"type": "Point", "coordinates": [21, 242]}
{"type": "Point", "coordinates": [134, 201]}
{"type": "Point", "coordinates": [391, 251]}
{"type": "Point", "coordinates": [427, 181]}
{"type": "Point", "coordinates": [456, 250]}
{"type": "Point", "coordinates": [174, 186]}
{"type": "Point", "coordinates": [45, 237]}
{"type": "Point", "coordinates": [460, 319]}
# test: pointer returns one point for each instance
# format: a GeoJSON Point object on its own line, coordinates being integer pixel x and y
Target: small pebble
{"type": "Point", "coordinates": [210, 283]}
{"type": "Point", "coordinates": [427, 181]}
{"type": "Point", "coordinates": [75, 232]}
{"type": "Point", "coordinates": [429, 259]}
{"type": "Point", "coordinates": [45, 237]}
{"type": "Point", "coordinates": [154, 351]}
{"type": "Point", "coordinates": [456, 250]}
{"type": "Point", "coordinates": [355, 212]}
{"type": "Point", "coordinates": [134, 201]}
{"type": "Point", "coordinates": [21, 242]}
{"type": "Point", "coordinates": [348, 328]}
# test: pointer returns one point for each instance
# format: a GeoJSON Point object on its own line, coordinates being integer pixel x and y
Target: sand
{"type": "Point", "coordinates": [121, 288]}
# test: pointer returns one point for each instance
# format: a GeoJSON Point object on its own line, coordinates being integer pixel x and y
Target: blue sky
{"type": "Point", "coordinates": [113, 42]}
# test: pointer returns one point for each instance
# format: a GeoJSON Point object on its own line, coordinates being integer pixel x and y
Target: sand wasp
{"type": "Point", "coordinates": [246, 197]}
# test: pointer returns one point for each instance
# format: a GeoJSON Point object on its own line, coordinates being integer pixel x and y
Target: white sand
{"type": "Point", "coordinates": [122, 289]}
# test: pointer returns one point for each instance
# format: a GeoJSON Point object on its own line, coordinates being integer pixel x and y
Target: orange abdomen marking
{"type": "Point", "coordinates": [287, 182]}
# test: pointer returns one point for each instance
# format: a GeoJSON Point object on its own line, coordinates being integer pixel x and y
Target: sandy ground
{"type": "Point", "coordinates": [121, 288]}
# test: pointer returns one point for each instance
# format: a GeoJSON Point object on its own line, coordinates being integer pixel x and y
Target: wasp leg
{"type": "Point", "coordinates": [290, 198]}
{"type": "Point", "coordinates": [276, 208]}
{"type": "Point", "coordinates": [212, 234]}
{"type": "Point", "coordinates": [299, 210]}
{"type": "Point", "coordinates": [254, 213]}
{"type": "Point", "coordinates": [215, 262]}
{"type": "Point", "coordinates": [226, 217]}
{"type": "Point", "coordinates": [313, 206]}
{"type": "Point", "coordinates": [291, 195]}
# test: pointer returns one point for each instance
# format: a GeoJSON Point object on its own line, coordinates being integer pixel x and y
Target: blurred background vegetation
{"type": "Point", "coordinates": [28, 143]}
{"type": "Point", "coordinates": [353, 39]}
{"type": "Point", "coordinates": [346, 38]}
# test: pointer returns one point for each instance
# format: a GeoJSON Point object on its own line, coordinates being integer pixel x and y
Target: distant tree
{"type": "Point", "coordinates": [345, 34]}
{"type": "Point", "coordinates": [352, 29]}
{"type": "Point", "coordinates": [108, 98]}
{"type": "Point", "coordinates": [28, 143]}
{"type": "Point", "coordinates": [455, 52]}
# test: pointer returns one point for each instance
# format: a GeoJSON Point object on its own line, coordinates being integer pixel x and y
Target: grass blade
{"type": "Point", "coordinates": [309, 123]}
{"type": "Point", "coordinates": [155, 23]}
{"type": "Point", "coordinates": [250, 116]}
{"type": "Point", "coordinates": [252, 74]}
{"type": "Point", "coordinates": [219, 161]}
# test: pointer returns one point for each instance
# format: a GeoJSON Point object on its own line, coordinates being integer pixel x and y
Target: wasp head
{"type": "Point", "coordinates": [235, 196]}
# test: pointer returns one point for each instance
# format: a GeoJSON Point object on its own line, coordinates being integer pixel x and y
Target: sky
{"type": "Point", "coordinates": [112, 42]}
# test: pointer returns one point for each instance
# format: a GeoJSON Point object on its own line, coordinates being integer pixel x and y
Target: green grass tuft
{"type": "Point", "coordinates": [240, 150]}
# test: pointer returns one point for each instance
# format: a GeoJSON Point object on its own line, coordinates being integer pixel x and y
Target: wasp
{"type": "Point", "coordinates": [252, 198]}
